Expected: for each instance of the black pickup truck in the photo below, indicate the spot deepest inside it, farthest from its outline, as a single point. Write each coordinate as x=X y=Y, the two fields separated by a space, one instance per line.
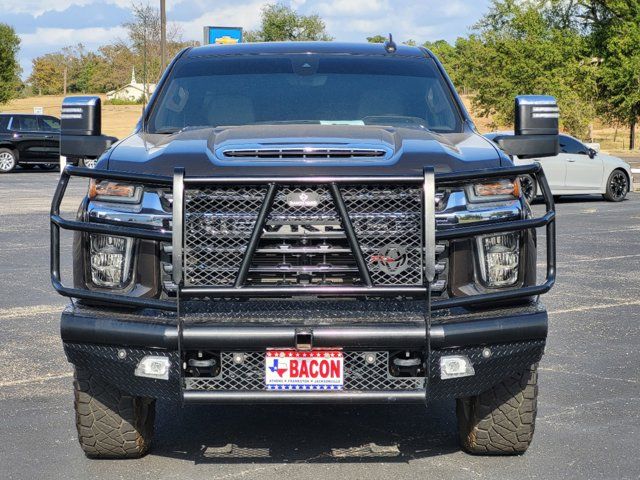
x=308 y=223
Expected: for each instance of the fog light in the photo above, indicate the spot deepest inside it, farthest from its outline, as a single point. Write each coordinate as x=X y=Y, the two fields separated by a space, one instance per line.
x=110 y=259
x=499 y=259
x=455 y=366
x=153 y=367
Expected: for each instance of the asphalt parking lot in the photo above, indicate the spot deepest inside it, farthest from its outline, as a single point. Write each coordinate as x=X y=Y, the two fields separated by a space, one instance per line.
x=588 y=418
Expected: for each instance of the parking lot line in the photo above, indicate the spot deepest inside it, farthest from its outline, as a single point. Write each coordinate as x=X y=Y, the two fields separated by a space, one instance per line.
x=25 y=312
x=594 y=307
x=44 y=378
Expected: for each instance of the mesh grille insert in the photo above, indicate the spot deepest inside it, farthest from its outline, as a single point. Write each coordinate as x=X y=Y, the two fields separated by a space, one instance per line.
x=303 y=241
x=218 y=223
x=358 y=374
x=387 y=222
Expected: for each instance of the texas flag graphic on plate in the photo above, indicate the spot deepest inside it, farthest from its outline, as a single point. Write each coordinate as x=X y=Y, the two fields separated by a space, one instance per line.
x=313 y=370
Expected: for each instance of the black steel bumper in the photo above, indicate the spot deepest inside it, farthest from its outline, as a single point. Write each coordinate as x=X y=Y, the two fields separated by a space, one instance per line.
x=112 y=345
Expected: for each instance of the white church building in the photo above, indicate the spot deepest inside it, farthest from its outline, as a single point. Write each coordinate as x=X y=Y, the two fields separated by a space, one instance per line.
x=133 y=91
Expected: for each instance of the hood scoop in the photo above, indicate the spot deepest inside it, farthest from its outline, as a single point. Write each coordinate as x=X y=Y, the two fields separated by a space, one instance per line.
x=298 y=153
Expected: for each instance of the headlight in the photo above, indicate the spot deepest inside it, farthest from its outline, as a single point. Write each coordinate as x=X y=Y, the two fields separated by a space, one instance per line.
x=499 y=257
x=110 y=260
x=111 y=191
x=503 y=189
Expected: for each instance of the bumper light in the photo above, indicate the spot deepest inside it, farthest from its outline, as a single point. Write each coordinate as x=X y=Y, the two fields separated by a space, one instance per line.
x=110 y=260
x=455 y=366
x=499 y=259
x=153 y=367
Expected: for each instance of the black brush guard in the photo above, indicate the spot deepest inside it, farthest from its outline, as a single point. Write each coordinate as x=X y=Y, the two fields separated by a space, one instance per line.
x=335 y=336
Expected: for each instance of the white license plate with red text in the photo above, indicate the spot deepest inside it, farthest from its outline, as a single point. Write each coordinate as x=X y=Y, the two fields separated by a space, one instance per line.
x=295 y=370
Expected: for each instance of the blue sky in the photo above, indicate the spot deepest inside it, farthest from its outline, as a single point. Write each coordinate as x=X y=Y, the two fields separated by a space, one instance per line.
x=49 y=25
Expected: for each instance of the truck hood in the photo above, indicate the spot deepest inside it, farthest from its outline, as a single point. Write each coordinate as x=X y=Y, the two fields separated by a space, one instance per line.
x=231 y=151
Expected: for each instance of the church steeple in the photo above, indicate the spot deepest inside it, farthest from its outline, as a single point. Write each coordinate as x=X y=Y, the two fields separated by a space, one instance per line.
x=133 y=75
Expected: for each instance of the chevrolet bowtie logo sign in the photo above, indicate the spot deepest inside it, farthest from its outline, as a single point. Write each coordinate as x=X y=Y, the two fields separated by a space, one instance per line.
x=303 y=199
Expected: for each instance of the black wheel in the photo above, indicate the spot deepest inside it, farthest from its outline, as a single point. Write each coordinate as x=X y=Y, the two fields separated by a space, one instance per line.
x=501 y=420
x=48 y=166
x=529 y=187
x=88 y=162
x=111 y=423
x=617 y=186
x=8 y=160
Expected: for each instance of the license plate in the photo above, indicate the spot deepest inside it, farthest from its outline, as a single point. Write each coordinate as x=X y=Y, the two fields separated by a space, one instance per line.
x=294 y=370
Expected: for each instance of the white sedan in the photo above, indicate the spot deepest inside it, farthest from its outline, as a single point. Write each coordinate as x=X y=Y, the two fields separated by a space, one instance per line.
x=578 y=170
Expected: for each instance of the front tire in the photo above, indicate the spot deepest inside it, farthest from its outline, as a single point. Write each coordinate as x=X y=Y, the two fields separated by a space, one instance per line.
x=617 y=186
x=111 y=423
x=8 y=160
x=500 y=421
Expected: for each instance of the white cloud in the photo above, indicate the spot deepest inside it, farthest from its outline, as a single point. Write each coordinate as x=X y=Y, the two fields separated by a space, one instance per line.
x=38 y=7
x=58 y=37
x=351 y=8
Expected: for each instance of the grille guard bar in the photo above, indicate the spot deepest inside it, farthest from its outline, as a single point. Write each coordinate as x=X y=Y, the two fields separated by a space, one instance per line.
x=428 y=181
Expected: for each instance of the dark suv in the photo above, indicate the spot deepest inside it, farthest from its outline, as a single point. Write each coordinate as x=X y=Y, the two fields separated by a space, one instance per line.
x=308 y=223
x=29 y=140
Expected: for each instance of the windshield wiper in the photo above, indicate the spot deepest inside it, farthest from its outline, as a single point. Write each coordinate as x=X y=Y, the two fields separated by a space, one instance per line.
x=167 y=130
x=173 y=130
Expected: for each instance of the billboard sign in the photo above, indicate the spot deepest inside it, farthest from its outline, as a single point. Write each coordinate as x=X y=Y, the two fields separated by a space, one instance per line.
x=222 y=35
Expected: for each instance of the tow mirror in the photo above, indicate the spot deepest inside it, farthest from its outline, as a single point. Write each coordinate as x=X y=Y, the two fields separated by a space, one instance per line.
x=81 y=129
x=536 y=128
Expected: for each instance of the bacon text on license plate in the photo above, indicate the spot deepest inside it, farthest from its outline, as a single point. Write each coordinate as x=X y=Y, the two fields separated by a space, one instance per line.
x=294 y=370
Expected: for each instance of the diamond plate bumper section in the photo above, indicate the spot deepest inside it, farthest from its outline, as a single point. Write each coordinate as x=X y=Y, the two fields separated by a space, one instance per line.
x=371 y=383
x=497 y=347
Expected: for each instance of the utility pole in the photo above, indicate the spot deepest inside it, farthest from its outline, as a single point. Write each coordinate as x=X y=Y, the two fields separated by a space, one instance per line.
x=163 y=35
x=64 y=81
x=144 y=64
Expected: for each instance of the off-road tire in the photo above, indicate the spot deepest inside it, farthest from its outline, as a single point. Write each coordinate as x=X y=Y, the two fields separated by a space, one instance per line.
x=500 y=421
x=111 y=423
x=617 y=186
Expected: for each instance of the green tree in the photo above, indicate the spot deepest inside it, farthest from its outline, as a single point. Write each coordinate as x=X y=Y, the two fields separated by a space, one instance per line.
x=615 y=38
x=47 y=74
x=519 y=49
x=377 y=39
x=281 y=23
x=450 y=59
x=9 y=67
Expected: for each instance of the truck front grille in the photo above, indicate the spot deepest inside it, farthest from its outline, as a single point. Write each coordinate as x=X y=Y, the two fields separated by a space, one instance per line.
x=303 y=240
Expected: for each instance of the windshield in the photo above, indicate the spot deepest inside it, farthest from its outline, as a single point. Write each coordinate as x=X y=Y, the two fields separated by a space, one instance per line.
x=305 y=88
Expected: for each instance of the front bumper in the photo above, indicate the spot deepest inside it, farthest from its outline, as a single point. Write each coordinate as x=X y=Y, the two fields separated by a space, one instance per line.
x=498 y=343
